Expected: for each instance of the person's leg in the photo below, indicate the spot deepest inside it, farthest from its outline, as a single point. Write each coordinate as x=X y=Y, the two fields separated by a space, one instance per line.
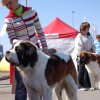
x=81 y=76
x=87 y=83
x=20 y=92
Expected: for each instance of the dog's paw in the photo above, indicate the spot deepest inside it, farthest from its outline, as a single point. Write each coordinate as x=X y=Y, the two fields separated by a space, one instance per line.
x=92 y=89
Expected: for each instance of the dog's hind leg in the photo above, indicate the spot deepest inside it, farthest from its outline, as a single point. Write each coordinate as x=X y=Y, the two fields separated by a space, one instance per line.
x=58 y=91
x=71 y=89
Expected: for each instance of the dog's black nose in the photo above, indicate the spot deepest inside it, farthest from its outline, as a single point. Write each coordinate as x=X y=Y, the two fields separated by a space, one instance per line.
x=7 y=52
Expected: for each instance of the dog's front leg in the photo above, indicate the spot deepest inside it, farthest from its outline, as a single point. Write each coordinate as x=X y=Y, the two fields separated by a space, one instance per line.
x=33 y=94
x=92 y=78
x=47 y=94
x=98 y=78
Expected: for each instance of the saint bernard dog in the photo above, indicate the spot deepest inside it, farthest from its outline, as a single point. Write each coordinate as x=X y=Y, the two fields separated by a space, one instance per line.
x=92 y=64
x=43 y=74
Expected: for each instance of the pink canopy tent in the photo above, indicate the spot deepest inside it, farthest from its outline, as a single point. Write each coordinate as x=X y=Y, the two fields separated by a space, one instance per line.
x=60 y=35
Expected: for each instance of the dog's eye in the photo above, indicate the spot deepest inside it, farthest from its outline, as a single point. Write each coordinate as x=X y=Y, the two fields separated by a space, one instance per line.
x=18 y=49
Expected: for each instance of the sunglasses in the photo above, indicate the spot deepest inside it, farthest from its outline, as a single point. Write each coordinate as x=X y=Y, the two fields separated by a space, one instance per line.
x=9 y=3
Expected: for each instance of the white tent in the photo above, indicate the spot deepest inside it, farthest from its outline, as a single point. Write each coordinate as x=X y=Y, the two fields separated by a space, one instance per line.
x=60 y=36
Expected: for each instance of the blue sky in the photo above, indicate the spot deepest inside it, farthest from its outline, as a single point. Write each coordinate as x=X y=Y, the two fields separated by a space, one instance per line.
x=48 y=10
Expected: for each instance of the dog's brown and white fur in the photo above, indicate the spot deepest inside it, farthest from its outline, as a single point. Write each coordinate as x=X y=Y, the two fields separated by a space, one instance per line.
x=42 y=73
x=92 y=64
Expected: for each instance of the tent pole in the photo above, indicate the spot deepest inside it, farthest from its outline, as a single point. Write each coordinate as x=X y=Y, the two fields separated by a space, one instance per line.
x=26 y=3
x=73 y=18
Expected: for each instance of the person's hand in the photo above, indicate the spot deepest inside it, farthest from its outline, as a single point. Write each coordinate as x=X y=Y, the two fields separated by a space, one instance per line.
x=14 y=41
x=45 y=51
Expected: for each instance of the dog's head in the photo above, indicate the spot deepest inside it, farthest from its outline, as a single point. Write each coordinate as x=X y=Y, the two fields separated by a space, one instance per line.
x=83 y=58
x=23 y=53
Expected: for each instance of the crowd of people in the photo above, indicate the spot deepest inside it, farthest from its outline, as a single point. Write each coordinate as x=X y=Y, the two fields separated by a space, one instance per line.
x=22 y=22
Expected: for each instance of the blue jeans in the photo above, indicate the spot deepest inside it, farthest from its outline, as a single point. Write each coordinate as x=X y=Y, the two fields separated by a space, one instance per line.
x=20 y=92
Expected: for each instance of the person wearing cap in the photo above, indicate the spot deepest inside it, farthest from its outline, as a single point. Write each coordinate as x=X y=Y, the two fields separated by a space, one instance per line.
x=22 y=22
x=97 y=44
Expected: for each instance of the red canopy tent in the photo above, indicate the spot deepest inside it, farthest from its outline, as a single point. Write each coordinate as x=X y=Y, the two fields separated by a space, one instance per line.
x=60 y=35
x=60 y=27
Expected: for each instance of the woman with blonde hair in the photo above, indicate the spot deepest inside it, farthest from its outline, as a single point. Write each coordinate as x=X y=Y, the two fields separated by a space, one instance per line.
x=22 y=22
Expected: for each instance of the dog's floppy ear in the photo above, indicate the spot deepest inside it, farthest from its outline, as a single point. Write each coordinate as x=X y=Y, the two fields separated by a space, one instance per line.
x=33 y=55
x=88 y=54
x=29 y=54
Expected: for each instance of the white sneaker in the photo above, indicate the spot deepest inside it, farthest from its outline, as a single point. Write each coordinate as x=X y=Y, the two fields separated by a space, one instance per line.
x=83 y=89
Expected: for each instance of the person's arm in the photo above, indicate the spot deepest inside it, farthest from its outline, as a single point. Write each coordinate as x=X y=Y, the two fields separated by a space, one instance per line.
x=93 y=49
x=40 y=32
x=10 y=30
x=97 y=47
x=79 y=45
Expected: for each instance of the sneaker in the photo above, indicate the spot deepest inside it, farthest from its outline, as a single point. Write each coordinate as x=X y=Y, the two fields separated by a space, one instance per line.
x=87 y=89
x=83 y=89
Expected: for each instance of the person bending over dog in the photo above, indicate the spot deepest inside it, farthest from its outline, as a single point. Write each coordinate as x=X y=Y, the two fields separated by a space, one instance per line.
x=22 y=22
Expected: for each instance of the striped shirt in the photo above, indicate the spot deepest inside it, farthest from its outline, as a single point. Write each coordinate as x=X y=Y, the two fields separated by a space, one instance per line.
x=25 y=27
